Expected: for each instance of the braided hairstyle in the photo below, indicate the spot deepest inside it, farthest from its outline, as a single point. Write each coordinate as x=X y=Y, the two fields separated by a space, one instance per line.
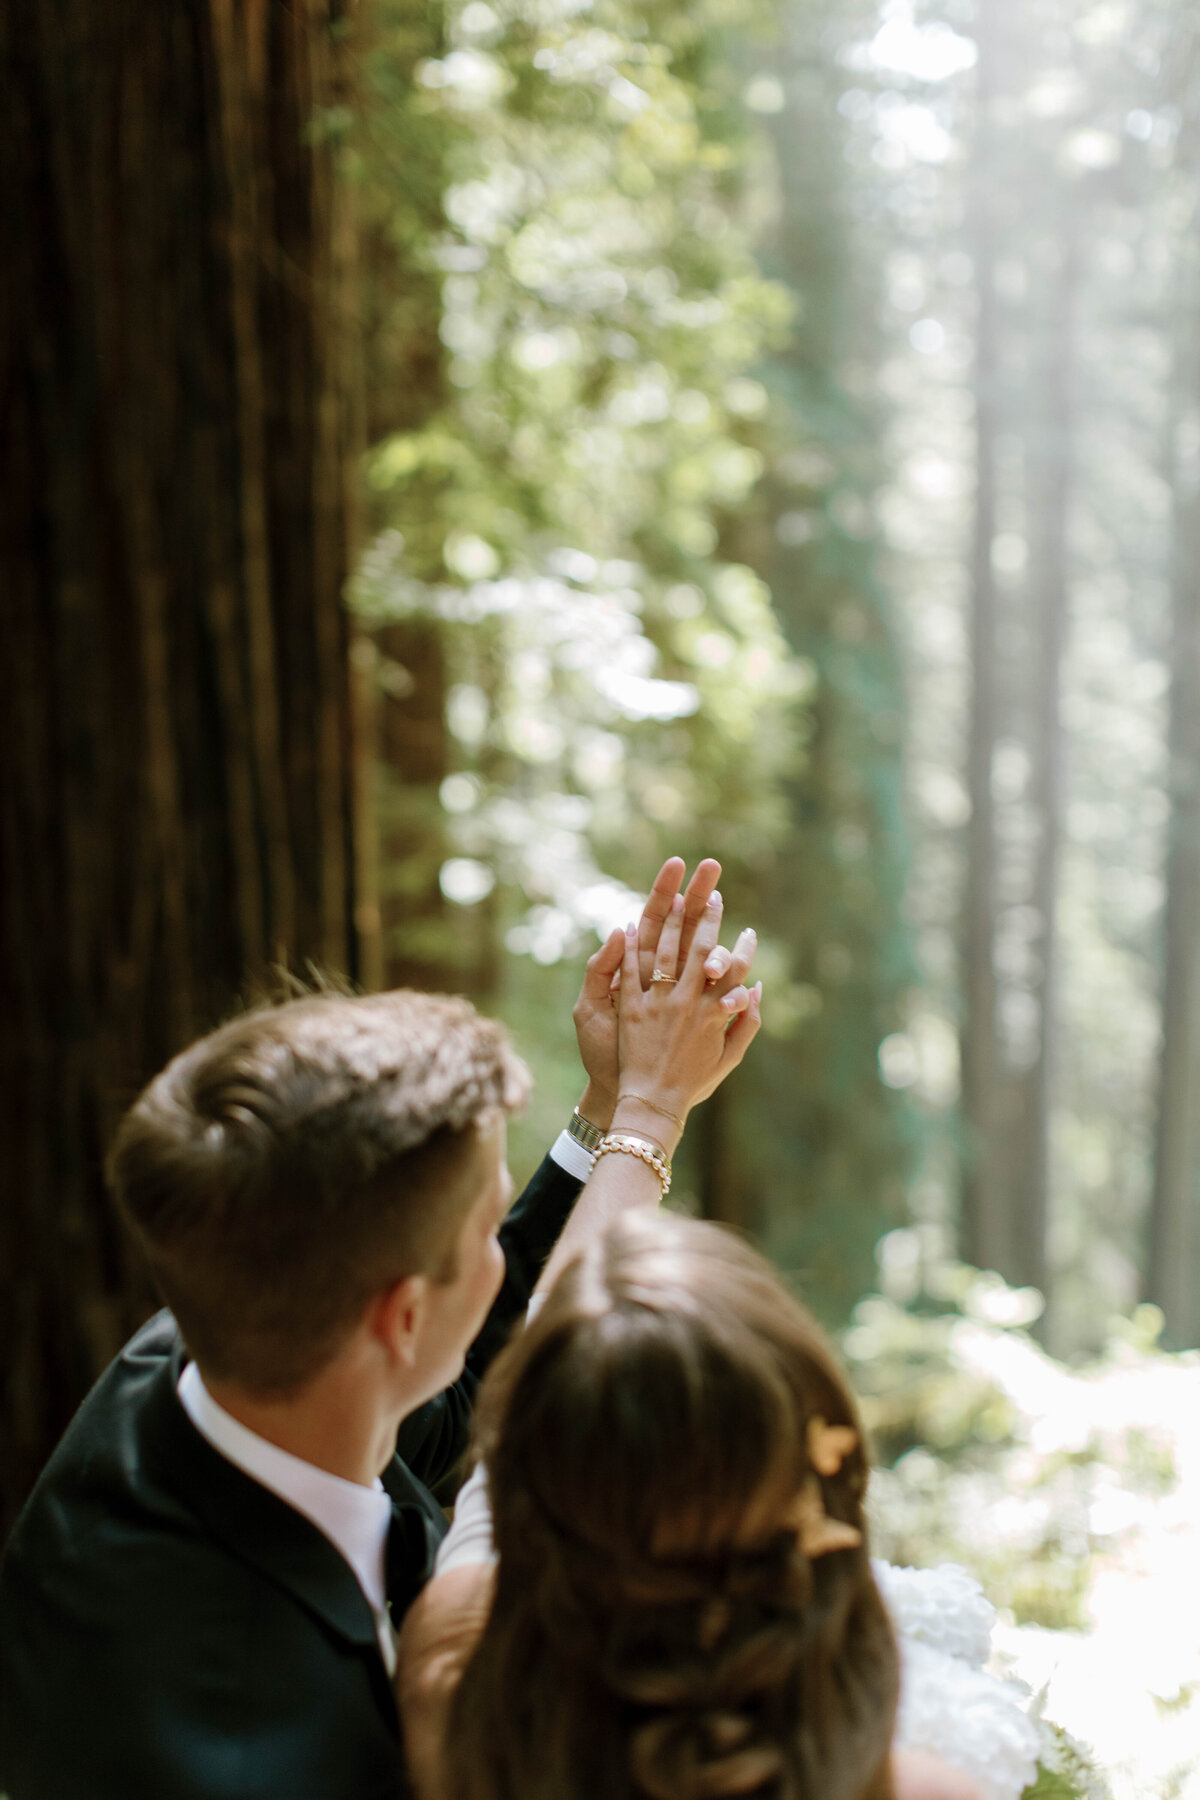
x=657 y=1631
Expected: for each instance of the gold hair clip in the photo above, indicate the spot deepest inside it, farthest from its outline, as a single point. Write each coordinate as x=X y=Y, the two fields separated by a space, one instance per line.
x=816 y=1532
x=829 y=1445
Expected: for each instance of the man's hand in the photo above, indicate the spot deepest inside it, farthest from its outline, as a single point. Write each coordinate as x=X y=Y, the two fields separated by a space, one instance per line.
x=595 y=1011
x=595 y=1018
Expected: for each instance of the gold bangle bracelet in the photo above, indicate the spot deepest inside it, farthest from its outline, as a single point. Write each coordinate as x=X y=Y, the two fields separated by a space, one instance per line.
x=653 y=1106
x=627 y=1145
x=643 y=1137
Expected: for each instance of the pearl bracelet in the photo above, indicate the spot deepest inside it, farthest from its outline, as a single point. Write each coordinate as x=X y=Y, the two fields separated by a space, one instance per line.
x=644 y=1149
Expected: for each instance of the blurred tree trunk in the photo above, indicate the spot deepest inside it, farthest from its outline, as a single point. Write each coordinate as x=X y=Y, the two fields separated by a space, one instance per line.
x=404 y=173
x=414 y=756
x=1173 y=1274
x=1050 y=497
x=984 y=1222
x=722 y=1188
x=174 y=524
x=815 y=1124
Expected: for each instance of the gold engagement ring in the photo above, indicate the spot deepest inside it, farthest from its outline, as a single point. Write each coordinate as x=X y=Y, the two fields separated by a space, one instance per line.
x=659 y=976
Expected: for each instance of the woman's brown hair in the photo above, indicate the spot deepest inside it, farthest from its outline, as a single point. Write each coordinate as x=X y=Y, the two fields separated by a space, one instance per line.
x=658 y=1632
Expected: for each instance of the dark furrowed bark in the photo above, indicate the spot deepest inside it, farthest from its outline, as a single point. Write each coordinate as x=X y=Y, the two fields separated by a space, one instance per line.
x=174 y=534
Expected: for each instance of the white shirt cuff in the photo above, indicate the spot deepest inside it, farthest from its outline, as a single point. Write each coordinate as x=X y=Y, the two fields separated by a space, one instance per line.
x=571 y=1156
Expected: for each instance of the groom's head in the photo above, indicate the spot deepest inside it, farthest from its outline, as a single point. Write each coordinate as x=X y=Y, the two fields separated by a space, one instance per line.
x=285 y=1169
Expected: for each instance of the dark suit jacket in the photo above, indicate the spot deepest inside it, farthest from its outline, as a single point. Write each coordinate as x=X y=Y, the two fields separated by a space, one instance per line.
x=171 y=1630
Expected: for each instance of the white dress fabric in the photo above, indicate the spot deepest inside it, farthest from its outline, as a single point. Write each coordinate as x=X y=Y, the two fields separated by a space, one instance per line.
x=949 y=1705
x=469 y=1539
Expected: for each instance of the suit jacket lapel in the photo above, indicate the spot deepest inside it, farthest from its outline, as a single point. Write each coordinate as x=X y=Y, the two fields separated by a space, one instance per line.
x=252 y=1523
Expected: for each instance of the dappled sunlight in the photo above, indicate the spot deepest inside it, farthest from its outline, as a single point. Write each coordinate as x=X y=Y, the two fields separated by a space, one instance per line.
x=1129 y=1682
x=791 y=456
x=498 y=444
x=1073 y=1493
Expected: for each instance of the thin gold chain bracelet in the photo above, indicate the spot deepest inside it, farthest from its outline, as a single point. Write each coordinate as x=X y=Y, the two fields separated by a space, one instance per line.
x=653 y=1106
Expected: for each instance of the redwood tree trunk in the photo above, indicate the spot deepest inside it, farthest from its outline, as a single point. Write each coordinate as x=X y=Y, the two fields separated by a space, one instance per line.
x=1173 y=1273
x=984 y=1227
x=1050 y=485
x=174 y=525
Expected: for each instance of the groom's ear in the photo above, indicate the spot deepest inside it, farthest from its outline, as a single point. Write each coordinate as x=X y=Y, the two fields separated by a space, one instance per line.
x=396 y=1316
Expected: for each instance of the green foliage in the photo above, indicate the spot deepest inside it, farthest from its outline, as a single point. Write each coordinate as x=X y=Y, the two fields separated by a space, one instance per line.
x=1068 y=1490
x=1050 y=1786
x=1065 y=1772
x=584 y=504
x=629 y=450
x=553 y=512
x=988 y=1452
x=596 y=300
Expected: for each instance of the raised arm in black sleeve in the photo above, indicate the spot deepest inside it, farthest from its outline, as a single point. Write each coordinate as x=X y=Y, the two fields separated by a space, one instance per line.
x=433 y=1440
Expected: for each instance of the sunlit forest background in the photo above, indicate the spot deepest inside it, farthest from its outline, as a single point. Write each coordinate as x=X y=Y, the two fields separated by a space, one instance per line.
x=780 y=445
x=471 y=449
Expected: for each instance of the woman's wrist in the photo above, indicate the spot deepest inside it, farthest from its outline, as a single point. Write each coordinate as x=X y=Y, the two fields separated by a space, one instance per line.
x=633 y=1112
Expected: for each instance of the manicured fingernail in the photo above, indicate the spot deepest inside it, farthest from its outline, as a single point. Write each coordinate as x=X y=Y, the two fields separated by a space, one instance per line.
x=729 y=1002
x=631 y=934
x=714 y=899
x=750 y=933
x=713 y=966
x=677 y=904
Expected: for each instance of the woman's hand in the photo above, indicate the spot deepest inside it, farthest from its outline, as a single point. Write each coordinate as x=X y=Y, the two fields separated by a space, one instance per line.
x=595 y=1012
x=679 y=1038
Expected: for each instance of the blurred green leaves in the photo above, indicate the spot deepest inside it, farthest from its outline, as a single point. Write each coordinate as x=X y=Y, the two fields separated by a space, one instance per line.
x=586 y=399
x=557 y=510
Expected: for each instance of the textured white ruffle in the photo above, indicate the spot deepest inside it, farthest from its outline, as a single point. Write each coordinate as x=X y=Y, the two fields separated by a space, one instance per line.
x=943 y=1607
x=948 y=1704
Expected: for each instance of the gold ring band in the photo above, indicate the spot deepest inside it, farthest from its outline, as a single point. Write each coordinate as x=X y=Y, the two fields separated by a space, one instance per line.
x=659 y=976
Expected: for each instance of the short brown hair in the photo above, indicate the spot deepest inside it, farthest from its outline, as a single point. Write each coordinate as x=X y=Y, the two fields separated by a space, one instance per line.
x=658 y=1632
x=291 y=1164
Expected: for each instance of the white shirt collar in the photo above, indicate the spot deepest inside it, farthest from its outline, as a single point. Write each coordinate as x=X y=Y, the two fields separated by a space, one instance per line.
x=355 y=1519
